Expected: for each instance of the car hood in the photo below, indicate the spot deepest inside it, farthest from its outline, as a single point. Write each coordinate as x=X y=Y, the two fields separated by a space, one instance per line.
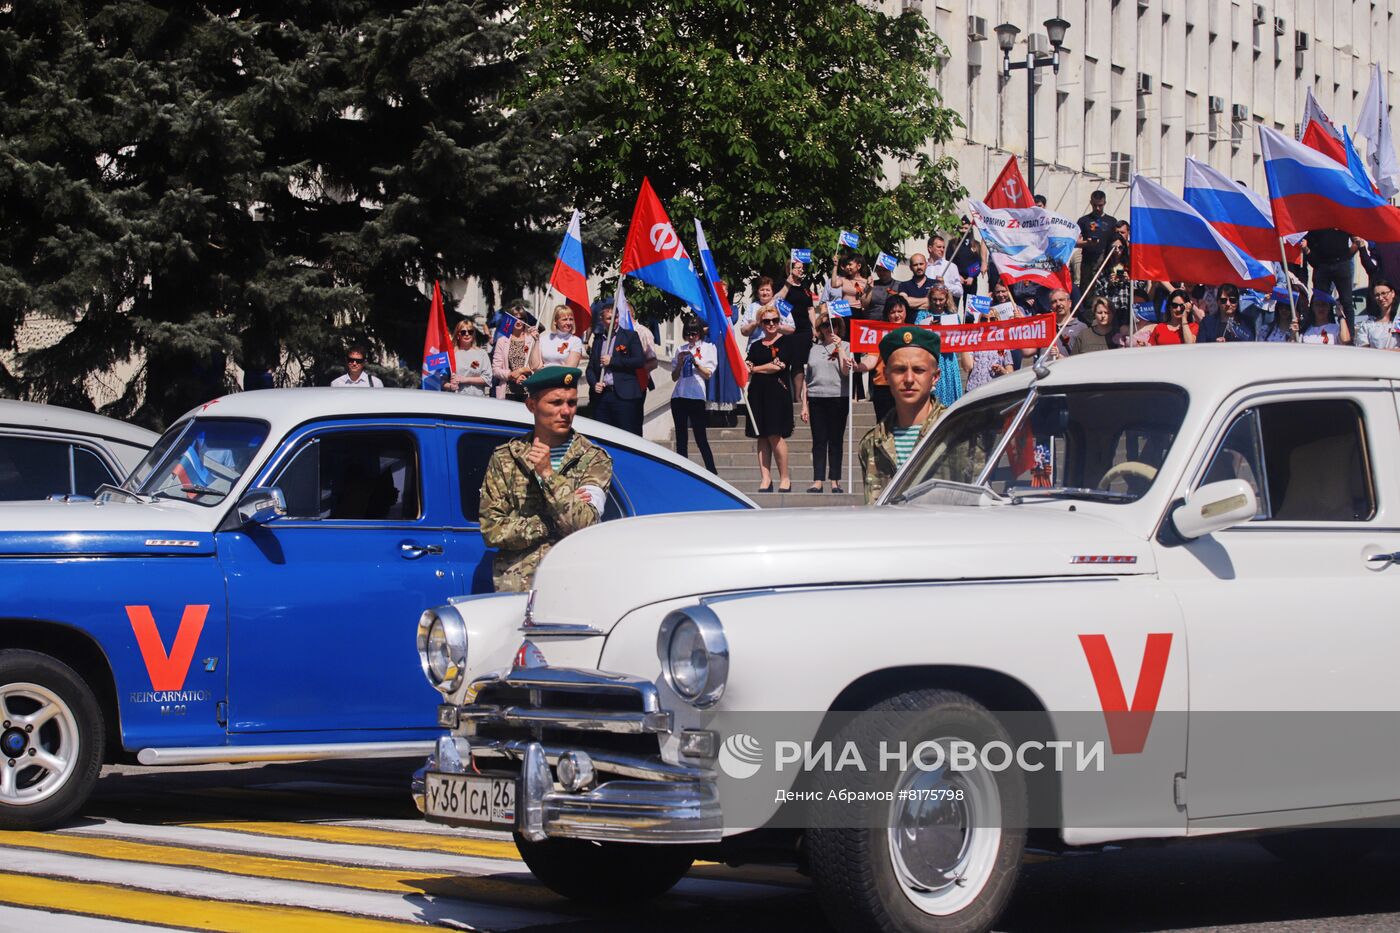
x=106 y=528
x=599 y=575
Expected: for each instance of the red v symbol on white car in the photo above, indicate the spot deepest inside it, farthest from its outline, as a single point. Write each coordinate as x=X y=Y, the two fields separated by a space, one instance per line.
x=1128 y=726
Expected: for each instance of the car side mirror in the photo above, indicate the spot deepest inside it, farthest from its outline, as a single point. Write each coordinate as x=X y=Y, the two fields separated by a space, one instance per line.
x=261 y=504
x=1215 y=507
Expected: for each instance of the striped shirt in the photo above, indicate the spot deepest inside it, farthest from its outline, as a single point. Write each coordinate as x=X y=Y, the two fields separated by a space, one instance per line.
x=905 y=440
x=556 y=453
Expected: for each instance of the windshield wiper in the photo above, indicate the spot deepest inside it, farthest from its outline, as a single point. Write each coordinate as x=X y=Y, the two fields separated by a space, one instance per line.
x=186 y=491
x=108 y=493
x=918 y=490
x=1069 y=492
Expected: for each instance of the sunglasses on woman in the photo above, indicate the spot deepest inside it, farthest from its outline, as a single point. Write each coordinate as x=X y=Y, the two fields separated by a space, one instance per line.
x=770 y=320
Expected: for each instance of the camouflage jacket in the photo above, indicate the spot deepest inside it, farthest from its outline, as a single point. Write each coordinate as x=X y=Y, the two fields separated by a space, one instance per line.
x=877 y=454
x=523 y=516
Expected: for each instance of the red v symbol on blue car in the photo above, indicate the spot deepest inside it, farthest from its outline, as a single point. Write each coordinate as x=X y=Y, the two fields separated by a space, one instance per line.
x=167 y=671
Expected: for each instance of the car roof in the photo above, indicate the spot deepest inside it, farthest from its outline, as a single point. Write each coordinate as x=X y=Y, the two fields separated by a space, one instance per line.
x=285 y=409
x=37 y=417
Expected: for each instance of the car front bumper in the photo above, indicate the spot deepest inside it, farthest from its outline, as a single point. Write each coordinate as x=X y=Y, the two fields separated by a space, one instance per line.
x=639 y=811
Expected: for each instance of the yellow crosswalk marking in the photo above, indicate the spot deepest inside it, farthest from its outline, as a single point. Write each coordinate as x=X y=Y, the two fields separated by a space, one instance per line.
x=231 y=863
x=363 y=836
x=118 y=903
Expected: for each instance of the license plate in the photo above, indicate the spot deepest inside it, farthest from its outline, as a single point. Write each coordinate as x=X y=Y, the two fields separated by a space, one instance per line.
x=475 y=801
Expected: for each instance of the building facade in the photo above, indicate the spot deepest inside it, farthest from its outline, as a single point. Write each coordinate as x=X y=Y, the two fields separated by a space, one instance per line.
x=1143 y=84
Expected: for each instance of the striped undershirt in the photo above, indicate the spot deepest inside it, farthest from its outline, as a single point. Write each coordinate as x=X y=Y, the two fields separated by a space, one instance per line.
x=905 y=440
x=557 y=452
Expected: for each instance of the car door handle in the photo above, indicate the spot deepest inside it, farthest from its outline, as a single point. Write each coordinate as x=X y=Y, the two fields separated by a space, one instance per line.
x=410 y=551
x=1388 y=558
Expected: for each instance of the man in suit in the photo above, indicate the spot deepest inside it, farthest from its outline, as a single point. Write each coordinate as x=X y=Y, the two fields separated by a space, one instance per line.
x=613 y=365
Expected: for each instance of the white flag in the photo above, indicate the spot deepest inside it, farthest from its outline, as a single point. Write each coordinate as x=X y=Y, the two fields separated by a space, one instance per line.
x=1373 y=125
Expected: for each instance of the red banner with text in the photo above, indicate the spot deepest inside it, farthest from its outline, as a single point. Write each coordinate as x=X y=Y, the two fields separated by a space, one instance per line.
x=1021 y=333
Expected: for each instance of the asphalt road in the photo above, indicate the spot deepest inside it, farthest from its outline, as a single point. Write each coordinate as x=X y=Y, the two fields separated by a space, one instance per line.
x=336 y=846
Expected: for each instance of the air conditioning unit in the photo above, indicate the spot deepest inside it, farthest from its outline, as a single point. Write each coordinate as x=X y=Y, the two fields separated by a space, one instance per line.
x=1217 y=104
x=1038 y=43
x=1280 y=27
x=1300 y=41
x=1300 y=60
x=1239 y=113
x=1120 y=167
x=974 y=56
x=913 y=6
x=976 y=28
x=1260 y=17
x=1144 y=83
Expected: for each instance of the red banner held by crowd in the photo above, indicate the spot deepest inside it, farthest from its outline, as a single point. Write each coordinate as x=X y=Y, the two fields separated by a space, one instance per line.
x=1019 y=333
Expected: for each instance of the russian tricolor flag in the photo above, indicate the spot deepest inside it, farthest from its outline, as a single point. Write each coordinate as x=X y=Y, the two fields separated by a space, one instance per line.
x=1310 y=191
x=1238 y=214
x=570 y=276
x=1172 y=242
x=731 y=374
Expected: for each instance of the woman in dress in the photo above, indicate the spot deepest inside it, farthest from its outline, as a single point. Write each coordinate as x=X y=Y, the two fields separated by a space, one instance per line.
x=559 y=347
x=1380 y=333
x=770 y=401
x=472 y=373
x=511 y=362
x=988 y=364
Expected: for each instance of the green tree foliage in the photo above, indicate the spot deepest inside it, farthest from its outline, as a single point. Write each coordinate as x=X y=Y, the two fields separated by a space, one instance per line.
x=265 y=181
x=772 y=121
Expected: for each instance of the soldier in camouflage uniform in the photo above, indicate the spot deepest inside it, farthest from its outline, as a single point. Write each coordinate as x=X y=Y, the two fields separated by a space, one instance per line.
x=910 y=355
x=544 y=485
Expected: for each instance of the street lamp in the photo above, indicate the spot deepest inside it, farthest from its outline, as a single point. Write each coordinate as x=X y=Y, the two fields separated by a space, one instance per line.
x=1006 y=41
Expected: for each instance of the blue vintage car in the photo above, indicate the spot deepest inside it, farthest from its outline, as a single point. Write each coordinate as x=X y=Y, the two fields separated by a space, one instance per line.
x=181 y=619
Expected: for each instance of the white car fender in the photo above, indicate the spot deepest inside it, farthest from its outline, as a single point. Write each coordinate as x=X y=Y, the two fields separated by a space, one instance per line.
x=1070 y=642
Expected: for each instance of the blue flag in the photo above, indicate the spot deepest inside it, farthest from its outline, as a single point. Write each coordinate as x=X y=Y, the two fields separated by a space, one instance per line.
x=436 y=369
x=1145 y=311
x=784 y=307
x=850 y=239
x=839 y=308
x=886 y=260
x=802 y=255
x=982 y=304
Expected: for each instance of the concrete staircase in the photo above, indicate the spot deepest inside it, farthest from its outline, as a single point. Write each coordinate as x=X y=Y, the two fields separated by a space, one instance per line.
x=736 y=458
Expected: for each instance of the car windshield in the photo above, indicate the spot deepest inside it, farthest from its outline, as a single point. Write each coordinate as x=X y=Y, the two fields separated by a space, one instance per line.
x=1094 y=442
x=199 y=460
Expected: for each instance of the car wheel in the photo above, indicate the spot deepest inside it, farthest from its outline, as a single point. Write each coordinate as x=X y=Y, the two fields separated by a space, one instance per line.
x=604 y=872
x=943 y=851
x=51 y=737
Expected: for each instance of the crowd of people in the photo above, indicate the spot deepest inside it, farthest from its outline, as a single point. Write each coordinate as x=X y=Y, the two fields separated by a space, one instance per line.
x=800 y=363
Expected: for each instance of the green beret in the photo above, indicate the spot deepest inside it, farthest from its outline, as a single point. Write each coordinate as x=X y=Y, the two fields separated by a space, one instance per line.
x=551 y=377
x=902 y=337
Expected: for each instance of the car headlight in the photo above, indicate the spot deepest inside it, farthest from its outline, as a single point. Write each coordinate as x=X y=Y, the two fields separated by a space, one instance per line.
x=694 y=655
x=442 y=648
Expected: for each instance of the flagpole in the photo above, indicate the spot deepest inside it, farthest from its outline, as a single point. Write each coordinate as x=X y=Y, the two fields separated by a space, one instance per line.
x=1113 y=251
x=1287 y=284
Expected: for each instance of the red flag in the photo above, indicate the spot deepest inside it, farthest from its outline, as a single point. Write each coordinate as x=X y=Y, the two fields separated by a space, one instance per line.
x=654 y=252
x=438 y=339
x=1317 y=137
x=1009 y=190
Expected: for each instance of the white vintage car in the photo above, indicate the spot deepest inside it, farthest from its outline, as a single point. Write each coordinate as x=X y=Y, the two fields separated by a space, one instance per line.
x=1176 y=575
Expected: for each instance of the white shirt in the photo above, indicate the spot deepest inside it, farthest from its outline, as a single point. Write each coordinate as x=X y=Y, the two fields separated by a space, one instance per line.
x=689 y=382
x=367 y=380
x=947 y=271
x=556 y=346
x=1322 y=333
